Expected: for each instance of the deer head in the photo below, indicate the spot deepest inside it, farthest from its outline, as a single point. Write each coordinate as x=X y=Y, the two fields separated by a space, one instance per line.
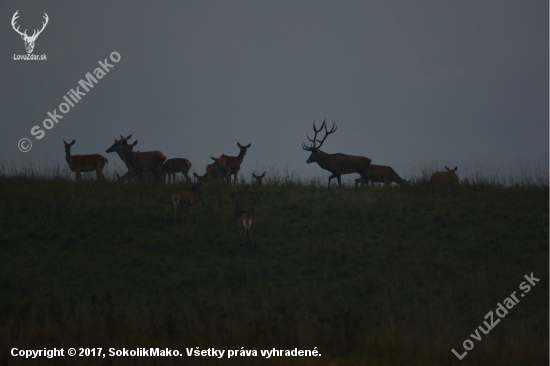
x=313 y=148
x=29 y=40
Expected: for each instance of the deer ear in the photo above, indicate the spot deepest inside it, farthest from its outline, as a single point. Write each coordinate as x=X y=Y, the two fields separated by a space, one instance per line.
x=249 y=145
x=127 y=138
x=135 y=142
x=72 y=143
x=213 y=158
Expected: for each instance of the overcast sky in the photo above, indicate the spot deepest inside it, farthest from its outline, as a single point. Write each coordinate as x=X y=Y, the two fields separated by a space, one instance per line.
x=407 y=82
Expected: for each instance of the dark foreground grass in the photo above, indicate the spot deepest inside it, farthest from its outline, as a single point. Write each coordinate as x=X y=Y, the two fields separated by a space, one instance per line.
x=378 y=276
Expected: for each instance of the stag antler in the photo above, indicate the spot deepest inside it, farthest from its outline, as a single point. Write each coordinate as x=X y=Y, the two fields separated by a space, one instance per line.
x=314 y=139
x=13 y=19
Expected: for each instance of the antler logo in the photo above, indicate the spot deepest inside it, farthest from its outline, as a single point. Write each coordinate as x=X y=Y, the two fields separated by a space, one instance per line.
x=29 y=41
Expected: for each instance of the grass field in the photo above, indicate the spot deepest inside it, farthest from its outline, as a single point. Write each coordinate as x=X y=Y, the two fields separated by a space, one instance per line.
x=377 y=276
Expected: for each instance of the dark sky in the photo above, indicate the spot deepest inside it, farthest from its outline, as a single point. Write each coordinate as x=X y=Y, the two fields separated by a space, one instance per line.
x=407 y=82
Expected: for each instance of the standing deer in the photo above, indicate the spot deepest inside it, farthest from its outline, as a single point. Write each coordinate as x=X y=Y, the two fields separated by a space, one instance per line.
x=187 y=197
x=84 y=163
x=449 y=176
x=173 y=166
x=258 y=178
x=246 y=224
x=230 y=165
x=337 y=164
x=382 y=174
x=138 y=162
x=29 y=41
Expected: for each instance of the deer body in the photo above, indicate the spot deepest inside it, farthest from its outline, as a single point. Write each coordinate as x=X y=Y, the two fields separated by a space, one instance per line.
x=138 y=162
x=187 y=197
x=246 y=224
x=381 y=174
x=173 y=166
x=84 y=163
x=449 y=176
x=337 y=164
x=230 y=165
x=213 y=171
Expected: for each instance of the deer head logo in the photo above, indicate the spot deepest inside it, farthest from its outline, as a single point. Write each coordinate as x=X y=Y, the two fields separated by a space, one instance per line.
x=29 y=41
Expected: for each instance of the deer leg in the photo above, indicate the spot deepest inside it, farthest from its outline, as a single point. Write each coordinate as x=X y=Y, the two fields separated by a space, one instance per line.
x=339 y=180
x=176 y=205
x=78 y=176
x=366 y=179
x=329 y=178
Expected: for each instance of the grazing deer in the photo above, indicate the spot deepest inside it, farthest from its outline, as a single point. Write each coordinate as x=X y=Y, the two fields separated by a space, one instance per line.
x=258 y=178
x=84 y=163
x=188 y=197
x=449 y=176
x=138 y=162
x=382 y=174
x=246 y=224
x=230 y=165
x=337 y=164
x=173 y=166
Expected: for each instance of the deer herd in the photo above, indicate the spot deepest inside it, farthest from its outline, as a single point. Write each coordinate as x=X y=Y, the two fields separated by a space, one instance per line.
x=153 y=165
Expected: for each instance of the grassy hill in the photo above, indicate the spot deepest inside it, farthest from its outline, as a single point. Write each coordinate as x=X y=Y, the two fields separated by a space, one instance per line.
x=377 y=276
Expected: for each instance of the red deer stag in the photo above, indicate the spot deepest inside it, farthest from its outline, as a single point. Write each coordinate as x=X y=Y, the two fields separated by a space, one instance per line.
x=187 y=197
x=84 y=163
x=449 y=176
x=258 y=178
x=246 y=224
x=230 y=165
x=337 y=164
x=138 y=162
x=173 y=166
x=382 y=174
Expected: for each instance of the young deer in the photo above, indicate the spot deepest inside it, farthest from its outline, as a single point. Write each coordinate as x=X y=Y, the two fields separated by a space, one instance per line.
x=84 y=163
x=449 y=176
x=382 y=174
x=173 y=166
x=258 y=178
x=246 y=224
x=188 y=197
